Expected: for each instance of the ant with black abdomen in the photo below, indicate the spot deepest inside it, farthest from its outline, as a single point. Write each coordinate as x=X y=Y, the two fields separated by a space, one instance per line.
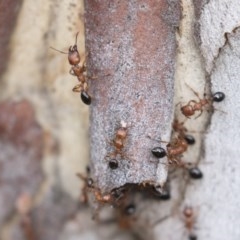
x=193 y=106
x=80 y=71
x=174 y=151
x=118 y=143
x=189 y=221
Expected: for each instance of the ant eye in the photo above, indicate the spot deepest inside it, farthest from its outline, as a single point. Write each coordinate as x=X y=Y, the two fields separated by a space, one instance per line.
x=159 y=152
x=195 y=173
x=86 y=98
x=189 y=139
x=218 y=96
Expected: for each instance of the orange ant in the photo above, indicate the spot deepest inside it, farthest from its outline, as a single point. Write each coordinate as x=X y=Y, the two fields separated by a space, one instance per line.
x=88 y=185
x=175 y=149
x=118 y=143
x=101 y=198
x=126 y=216
x=179 y=128
x=79 y=71
x=192 y=106
x=174 y=152
x=190 y=220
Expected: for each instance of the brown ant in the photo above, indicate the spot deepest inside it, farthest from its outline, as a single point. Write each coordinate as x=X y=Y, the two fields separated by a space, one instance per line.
x=192 y=106
x=118 y=143
x=79 y=71
x=88 y=185
x=175 y=149
x=189 y=220
x=101 y=198
x=174 y=152
x=126 y=216
x=179 y=128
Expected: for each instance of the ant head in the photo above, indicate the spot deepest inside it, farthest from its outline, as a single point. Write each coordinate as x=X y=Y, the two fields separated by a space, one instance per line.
x=188 y=211
x=73 y=55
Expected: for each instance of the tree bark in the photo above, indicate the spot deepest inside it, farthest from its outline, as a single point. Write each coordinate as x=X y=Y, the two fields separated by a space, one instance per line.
x=144 y=60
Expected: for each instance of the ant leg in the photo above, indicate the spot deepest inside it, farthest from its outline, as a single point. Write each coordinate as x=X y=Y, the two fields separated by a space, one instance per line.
x=191 y=101
x=157 y=140
x=81 y=176
x=72 y=72
x=201 y=111
x=195 y=93
x=78 y=88
x=145 y=183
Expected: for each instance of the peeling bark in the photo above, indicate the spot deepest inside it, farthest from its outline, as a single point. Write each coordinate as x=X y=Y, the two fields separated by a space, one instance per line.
x=216 y=19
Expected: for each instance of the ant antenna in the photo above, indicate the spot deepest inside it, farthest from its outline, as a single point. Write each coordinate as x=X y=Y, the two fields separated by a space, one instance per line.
x=76 y=38
x=58 y=50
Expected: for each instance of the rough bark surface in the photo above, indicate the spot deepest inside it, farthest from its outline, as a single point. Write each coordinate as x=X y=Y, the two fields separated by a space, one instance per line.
x=133 y=57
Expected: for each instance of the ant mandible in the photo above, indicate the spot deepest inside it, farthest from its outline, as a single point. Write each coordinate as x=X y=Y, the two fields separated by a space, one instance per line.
x=79 y=71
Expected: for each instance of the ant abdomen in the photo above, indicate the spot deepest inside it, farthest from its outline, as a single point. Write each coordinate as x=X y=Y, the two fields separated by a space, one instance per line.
x=218 y=96
x=86 y=98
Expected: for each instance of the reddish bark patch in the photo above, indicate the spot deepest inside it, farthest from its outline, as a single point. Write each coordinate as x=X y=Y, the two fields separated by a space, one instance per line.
x=9 y=10
x=21 y=147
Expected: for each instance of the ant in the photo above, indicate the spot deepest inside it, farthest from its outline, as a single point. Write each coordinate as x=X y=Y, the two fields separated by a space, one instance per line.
x=127 y=216
x=181 y=130
x=80 y=71
x=118 y=143
x=114 y=198
x=88 y=184
x=190 y=220
x=192 y=106
x=175 y=149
